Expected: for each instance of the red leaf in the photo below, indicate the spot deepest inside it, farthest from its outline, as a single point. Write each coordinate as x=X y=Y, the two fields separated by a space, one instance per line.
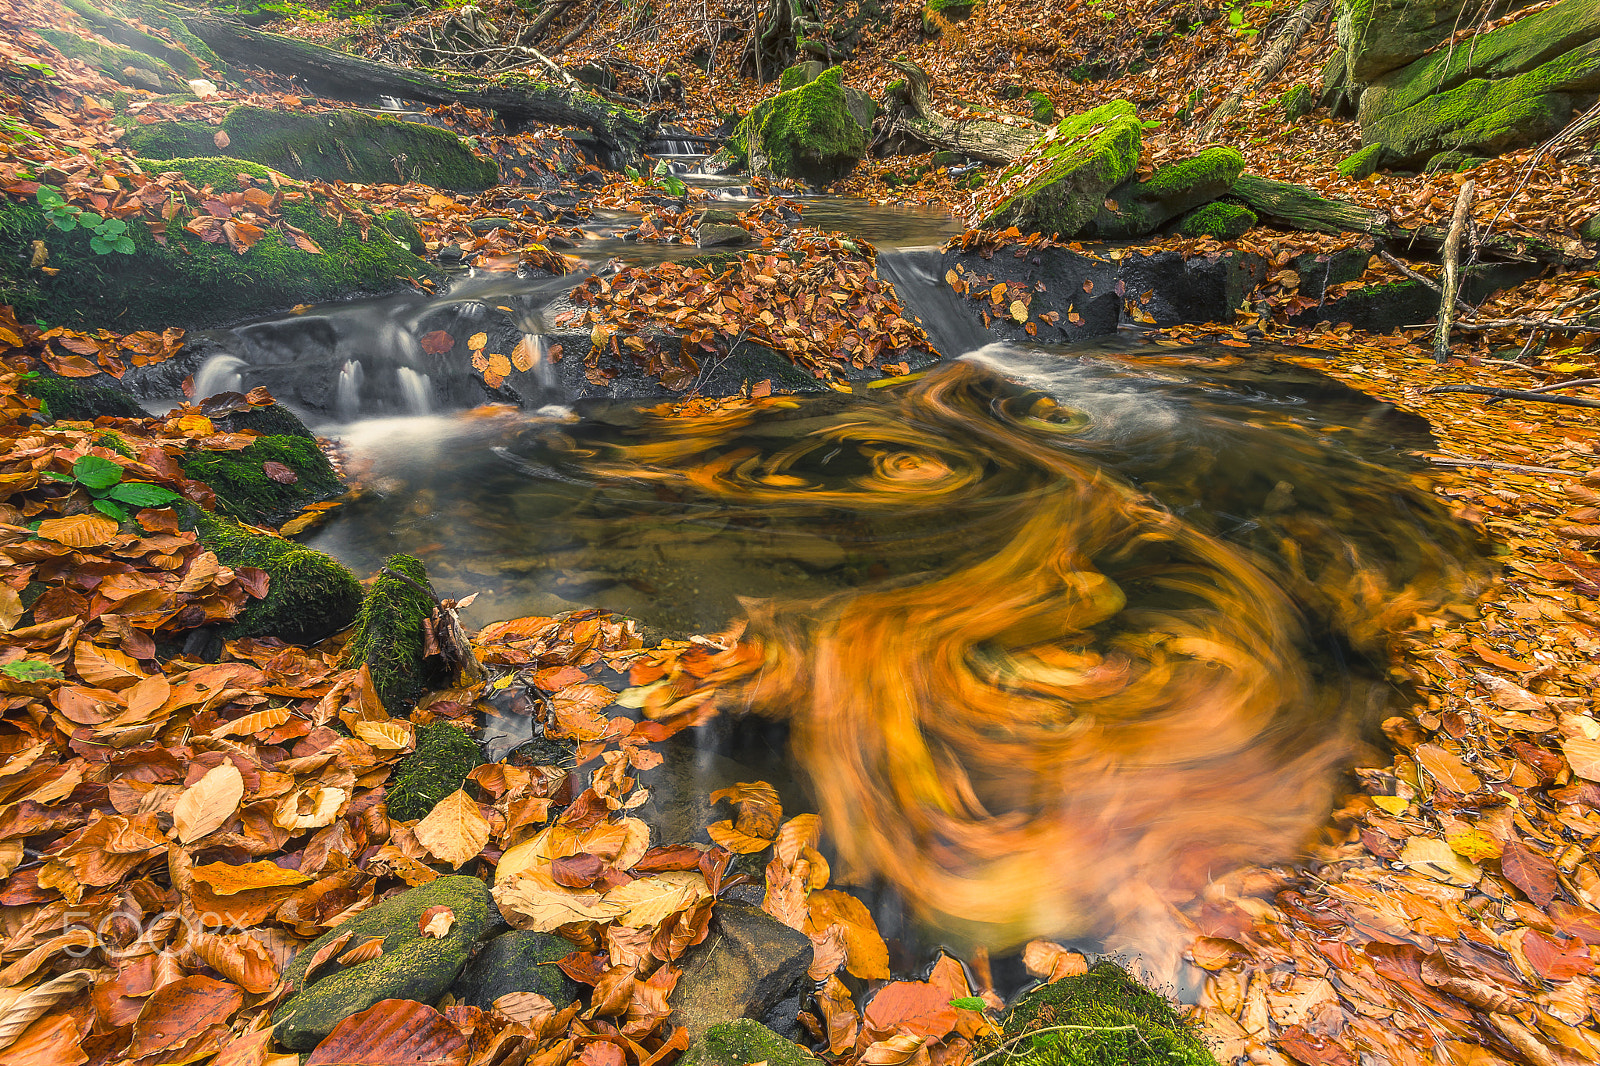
x=437 y=343
x=1530 y=871
x=1553 y=960
x=393 y=1032
x=279 y=473
x=913 y=1006
x=577 y=871
x=1313 y=1050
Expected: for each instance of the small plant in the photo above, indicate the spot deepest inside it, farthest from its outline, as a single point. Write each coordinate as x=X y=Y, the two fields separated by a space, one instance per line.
x=107 y=234
x=30 y=670
x=102 y=480
x=668 y=180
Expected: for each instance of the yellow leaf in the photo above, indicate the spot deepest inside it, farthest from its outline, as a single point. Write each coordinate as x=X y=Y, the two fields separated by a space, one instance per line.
x=1392 y=804
x=1447 y=769
x=385 y=736
x=226 y=879
x=207 y=805
x=477 y=341
x=251 y=724
x=79 y=531
x=1432 y=856
x=1583 y=755
x=455 y=831
x=531 y=900
x=866 y=955
x=196 y=426
x=1474 y=845
x=648 y=900
x=1019 y=311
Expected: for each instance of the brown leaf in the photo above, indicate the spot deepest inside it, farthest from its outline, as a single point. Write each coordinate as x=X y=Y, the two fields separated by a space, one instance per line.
x=392 y=1032
x=209 y=803
x=436 y=921
x=181 y=1010
x=279 y=473
x=1530 y=871
x=455 y=831
x=79 y=531
x=866 y=955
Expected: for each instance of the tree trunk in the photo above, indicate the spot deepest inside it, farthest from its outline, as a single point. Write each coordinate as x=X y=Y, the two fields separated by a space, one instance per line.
x=1301 y=208
x=620 y=133
x=909 y=114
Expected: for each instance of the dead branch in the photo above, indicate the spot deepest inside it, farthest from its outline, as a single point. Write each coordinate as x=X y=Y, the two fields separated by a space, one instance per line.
x=1462 y=305
x=909 y=114
x=1515 y=394
x=1452 y=273
x=1272 y=60
x=1515 y=468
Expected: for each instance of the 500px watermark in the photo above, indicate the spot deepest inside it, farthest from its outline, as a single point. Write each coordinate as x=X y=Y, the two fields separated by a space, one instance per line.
x=121 y=934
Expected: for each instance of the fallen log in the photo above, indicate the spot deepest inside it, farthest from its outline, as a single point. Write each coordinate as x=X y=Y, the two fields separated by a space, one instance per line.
x=620 y=133
x=1297 y=207
x=909 y=114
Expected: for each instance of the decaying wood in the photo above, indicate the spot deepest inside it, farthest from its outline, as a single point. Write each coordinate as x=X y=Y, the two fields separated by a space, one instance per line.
x=1297 y=207
x=1452 y=274
x=454 y=647
x=621 y=133
x=909 y=114
x=1266 y=67
x=1514 y=394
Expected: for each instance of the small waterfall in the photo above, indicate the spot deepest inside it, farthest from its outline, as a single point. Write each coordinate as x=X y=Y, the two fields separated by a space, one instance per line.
x=416 y=389
x=926 y=297
x=220 y=373
x=347 y=394
x=537 y=348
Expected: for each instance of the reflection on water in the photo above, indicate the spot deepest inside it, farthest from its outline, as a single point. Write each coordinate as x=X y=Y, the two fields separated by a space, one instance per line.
x=1058 y=639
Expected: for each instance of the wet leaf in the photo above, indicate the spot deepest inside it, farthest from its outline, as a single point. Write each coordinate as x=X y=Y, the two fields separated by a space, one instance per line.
x=455 y=831
x=392 y=1032
x=209 y=803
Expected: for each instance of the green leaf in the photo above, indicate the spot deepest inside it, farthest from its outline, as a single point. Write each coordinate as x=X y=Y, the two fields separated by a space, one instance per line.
x=30 y=670
x=111 y=227
x=111 y=510
x=90 y=219
x=93 y=472
x=64 y=223
x=100 y=245
x=968 y=1003
x=124 y=244
x=142 y=494
x=48 y=196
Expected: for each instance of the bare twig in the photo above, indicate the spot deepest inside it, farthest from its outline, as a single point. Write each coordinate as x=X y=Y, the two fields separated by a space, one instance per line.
x=1515 y=394
x=1515 y=468
x=1452 y=273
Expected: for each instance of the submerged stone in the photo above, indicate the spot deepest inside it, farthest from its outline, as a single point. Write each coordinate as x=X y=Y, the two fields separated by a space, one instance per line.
x=414 y=965
x=443 y=758
x=1081 y=160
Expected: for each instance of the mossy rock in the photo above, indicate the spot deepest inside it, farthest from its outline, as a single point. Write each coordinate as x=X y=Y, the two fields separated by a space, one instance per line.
x=439 y=765
x=184 y=53
x=329 y=145
x=389 y=636
x=800 y=74
x=744 y=1041
x=1223 y=220
x=268 y=420
x=1145 y=206
x=1453 y=162
x=519 y=961
x=413 y=965
x=1590 y=230
x=1297 y=103
x=190 y=283
x=119 y=64
x=1085 y=157
x=76 y=402
x=935 y=12
x=807 y=133
x=1117 y=1021
x=1362 y=163
x=244 y=489
x=1044 y=108
x=310 y=595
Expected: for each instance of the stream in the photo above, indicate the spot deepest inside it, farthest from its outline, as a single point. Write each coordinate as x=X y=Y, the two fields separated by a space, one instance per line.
x=1056 y=636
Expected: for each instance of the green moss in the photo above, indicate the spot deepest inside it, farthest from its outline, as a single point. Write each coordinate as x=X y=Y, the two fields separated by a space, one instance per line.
x=76 y=402
x=1590 y=230
x=185 y=53
x=1044 y=108
x=389 y=633
x=1222 y=220
x=109 y=59
x=268 y=420
x=443 y=758
x=1120 y=1023
x=310 y=596
x=744 y=1041
x=1086 y=156
x=793 y=78
x=188 y=282
x=1363 y=163
x=1453 y=162
x=1297 y=103
x=1145 y=206
x=330 y=145
x=244 y=491
x=806 y=133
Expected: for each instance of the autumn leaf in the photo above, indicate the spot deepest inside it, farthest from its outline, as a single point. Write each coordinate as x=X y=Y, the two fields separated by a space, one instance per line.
x=79 y=531
x=436 y=921
x=866 y=955
x=392 y=1032
x=279 y=473
x=455 y=831
x=181 y=1010
x=209 y=803
x=1530 y=871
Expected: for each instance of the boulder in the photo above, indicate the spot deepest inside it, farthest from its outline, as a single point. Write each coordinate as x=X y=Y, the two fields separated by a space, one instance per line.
x=79 y=402
x=517 y=961
x=1515 y=86
x=414 y=965
x=720 y=235
x=809 y=133
x=310 y=595
x=390 y=637
x=1362 y=163
x=801 y=74
x=1107 y=1017
x=744 y=1041
x=331 y=145
x=1145 y=206
x=1298 y=102
x=1222 y=220
x=246 y=491
x=1383 y=35
x=1068 y=177
x=749 y=966
x=443 y=758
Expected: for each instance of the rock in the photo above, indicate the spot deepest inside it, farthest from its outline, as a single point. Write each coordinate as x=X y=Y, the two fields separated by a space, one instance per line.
x=1362 y=163
x=1119 y=1020
x=491 y=223
x=1297 y=103
x=1453 y=161
x=443 y=758
x=389 y=638
x=246 y=492
x=413 y=965
x=517 y=961
x=717 y=216
x=717 y=235
x=801 y=74
x=680 y=787
x=1381 y=308
x=1590 y=230
x=343 y=145
x=1089 y=154
x=1222 y=220
x=745 y=1041
x=188 y=282
x=1515 y=86
x=1384 y=35
x=310 y=595
x=749 y=965
x=1338 y=96
x=862 y=107
x=936 y=14
x=1320 y=270
x=78 y=402
x=1044 y=108
x=808 y=133
x=1145 y=206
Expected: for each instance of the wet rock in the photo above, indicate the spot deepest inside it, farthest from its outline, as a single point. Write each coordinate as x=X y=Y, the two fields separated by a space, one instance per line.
x=390 y=638
x=443 y=758
x=491 y=223
x=1089 y=155
x=749 y=965
x=721 y=236
x=518 y=961
x=811 y=133
x=413 y=965
x=744 y=1041
x=310 y=595
x=679 y=807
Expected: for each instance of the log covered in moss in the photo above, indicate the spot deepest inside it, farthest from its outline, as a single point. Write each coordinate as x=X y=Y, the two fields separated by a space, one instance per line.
x=390 y=637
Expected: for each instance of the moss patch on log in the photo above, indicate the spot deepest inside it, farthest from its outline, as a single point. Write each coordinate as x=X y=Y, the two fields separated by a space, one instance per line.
x=389 y=637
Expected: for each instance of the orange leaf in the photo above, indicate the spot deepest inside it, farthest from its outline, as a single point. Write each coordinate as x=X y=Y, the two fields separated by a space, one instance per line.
x=79 y=531
x=393 y=1032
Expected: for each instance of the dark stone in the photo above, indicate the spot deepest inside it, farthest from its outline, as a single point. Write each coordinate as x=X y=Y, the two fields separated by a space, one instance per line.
x=1319 y=270
x=516 y=962
x=493 y=222
x=711 y=235
x=746 y=968
x=1381 y=308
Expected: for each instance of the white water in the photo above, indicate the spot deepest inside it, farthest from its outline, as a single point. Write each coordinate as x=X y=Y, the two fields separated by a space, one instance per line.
x=220 y=373
x=416 y=389
x=347 y=395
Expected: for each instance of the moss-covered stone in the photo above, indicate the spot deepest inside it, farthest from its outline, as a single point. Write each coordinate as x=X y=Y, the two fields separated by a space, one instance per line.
x=184 y=53
x=1362 y=163
x=389 y=632
x=188 y=282
x=800 y=74
x=77 y=402
x=1223 y=220
x=1145 y=206
x=936 y=13
x=744 y=1041
x=443 y=758
x=1382 y=35
x=244 y=489
x=1044 y=108
x=520 y=961
x=1100 y=1018
x=1453 y=162
x=413 y=966
x=330 y=145
x=1084 y=157
x=1590 y=230
x=310 y=595
x=119 y=64
x=1297 y=103
x=268 y=420
x=807 y=133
